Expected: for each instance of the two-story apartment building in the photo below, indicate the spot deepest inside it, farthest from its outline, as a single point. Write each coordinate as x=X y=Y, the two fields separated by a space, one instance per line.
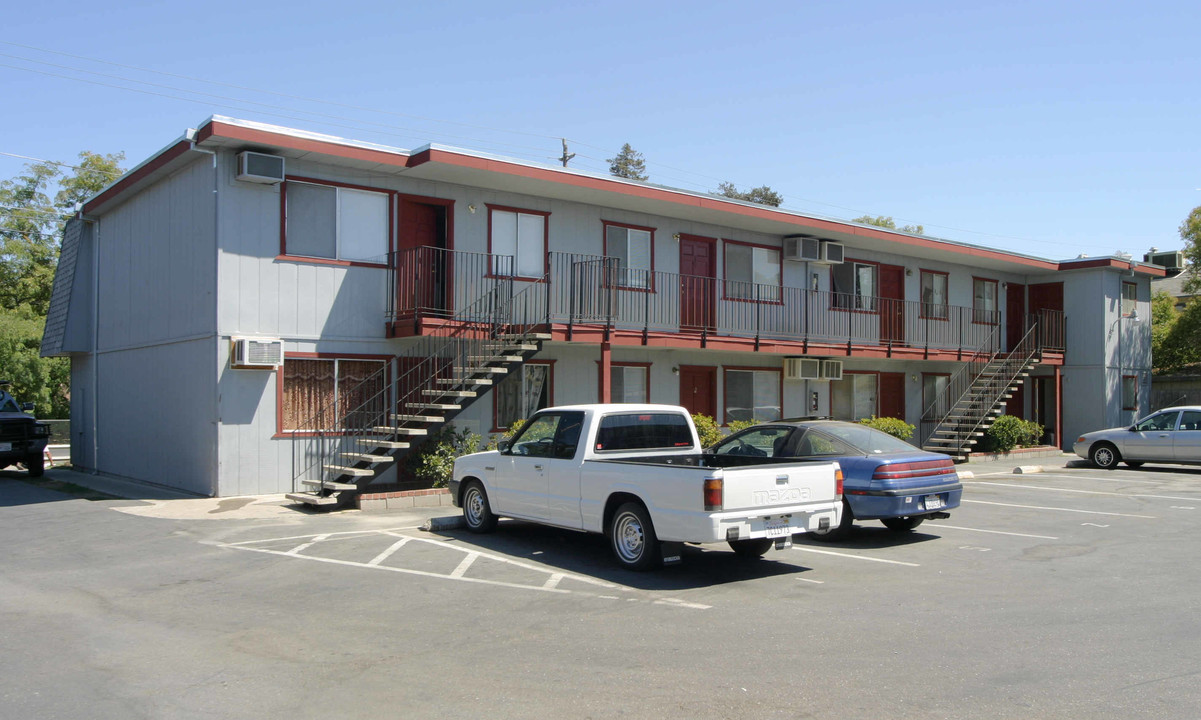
x=256 y=309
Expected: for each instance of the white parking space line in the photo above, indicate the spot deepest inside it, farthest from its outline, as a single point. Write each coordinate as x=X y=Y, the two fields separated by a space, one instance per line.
x=854 y=557
x=391 y=549
x=296 y=550
x=461 y=570
x=1085 y=492
x=1060 y=509
x=1119 y=477
x=993 y=532
x=553 y=580
x=815 y=582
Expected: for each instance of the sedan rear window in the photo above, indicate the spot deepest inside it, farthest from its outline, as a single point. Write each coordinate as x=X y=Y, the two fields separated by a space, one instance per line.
x=866 y=440
x=640 y=431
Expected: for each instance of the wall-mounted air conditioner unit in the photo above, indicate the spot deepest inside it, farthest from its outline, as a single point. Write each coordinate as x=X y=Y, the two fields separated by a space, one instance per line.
x=260 y=168
x=1172 y=261
x=802 y=369
x=257 y=353
x=831 y=369
x=802 y=248
x=832 y=252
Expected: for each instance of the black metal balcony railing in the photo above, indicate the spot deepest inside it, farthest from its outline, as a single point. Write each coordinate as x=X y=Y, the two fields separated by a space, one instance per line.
x=591 y=290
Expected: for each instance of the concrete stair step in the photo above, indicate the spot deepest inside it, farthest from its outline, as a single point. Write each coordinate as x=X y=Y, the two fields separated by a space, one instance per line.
x=495 y=358
x=524 y=336
x=367 y=457
x=450 y=393
x=350 y=471
x=310 y=499
x=432 y=406
x=387 y=444
x=399 y=430
x=512 y=347
x=465 y=381
x=417 y=418
x=489 y=370
x=329 y=485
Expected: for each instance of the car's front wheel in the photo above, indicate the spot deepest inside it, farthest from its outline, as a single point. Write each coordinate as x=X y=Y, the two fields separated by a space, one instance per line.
x=477 y=512
x=1104 y=456
x=902 y=524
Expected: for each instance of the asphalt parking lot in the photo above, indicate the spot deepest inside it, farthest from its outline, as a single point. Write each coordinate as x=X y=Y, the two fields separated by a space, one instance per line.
x=1069 y=593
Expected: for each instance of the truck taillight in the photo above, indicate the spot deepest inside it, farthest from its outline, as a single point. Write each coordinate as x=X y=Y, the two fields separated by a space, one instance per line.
x=713 y=493
x=838 y=482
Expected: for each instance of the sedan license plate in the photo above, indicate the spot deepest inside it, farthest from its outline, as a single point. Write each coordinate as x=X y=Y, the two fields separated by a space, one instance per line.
x=933 y=502
x=6 y=447
x=777 y=527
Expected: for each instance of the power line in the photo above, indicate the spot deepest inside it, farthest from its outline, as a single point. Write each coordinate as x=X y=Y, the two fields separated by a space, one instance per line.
x=112 y=173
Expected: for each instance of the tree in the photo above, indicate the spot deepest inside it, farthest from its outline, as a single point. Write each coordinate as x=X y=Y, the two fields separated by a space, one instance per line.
x=31 y=228
x=1190 y=233
x=888 y=222
x=763 y=194
x=629 y=163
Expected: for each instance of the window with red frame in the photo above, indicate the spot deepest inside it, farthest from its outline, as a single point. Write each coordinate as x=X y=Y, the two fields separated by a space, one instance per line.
x=629 y=383
x=984 y=301
x=855 y=286
x=325 y=393
x=934 y=295
x=1129 y=392
x=631 y=247
x=752 y=272
x=752 y=395
x=1129 y=298
x=336 y=223
x=521 y=236
x=522 y=393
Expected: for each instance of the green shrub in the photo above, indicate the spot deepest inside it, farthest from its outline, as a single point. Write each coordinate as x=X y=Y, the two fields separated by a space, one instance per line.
x=708 y=430
x=893 y=426
x=1010 y=431
x=740 y=425
x=434 y=461
x=514 y=428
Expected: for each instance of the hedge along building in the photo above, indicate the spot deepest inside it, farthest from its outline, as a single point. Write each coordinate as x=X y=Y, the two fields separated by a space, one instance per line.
x=256 y=309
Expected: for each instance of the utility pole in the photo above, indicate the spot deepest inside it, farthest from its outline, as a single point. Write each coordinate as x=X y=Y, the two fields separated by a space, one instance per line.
x=565 y=157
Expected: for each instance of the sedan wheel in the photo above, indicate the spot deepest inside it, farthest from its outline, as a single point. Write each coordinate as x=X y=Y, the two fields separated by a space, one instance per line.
x=1104 y=456
x=839 y=531
x=902 y=524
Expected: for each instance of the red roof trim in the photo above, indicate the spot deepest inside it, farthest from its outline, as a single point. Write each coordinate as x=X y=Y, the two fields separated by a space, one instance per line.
x=137 y=175
x=251 y=135
x=1151 y=270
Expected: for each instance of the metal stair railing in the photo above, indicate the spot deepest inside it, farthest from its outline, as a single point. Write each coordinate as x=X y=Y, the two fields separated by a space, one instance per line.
x=986 y=390
x=385 y=418
x=959 y=385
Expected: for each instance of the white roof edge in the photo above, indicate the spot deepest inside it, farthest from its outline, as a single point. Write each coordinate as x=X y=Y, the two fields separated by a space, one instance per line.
x=305 y=134
x=186 y=137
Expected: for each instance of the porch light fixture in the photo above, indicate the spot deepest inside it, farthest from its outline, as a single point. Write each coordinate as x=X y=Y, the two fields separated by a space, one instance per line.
x=676 y=237
x=471 y=209
x=675 y=371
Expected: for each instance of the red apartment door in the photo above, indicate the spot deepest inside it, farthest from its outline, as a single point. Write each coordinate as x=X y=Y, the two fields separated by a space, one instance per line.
x=422 y=274
x=697 y=270
x=892 y=395
x=698 y=390
x=892 y=304
x=1047 y=296
x=1015 y=314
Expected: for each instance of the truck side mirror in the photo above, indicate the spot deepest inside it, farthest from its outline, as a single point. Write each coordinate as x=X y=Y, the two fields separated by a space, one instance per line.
x=27 y=407
x=503 y=446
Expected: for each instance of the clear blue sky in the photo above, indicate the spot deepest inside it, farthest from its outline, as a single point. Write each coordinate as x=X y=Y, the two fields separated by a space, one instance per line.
x=1047 y=128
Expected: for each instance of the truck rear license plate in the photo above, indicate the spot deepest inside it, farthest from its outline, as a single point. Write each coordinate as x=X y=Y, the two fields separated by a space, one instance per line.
x=933 y=502
x=6 y=447
x=777 y=527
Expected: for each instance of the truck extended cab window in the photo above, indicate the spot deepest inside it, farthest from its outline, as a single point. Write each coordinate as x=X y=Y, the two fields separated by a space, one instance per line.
x=641 y=431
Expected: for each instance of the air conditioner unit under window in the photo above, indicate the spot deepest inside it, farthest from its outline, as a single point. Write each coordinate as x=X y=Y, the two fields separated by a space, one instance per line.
x=260 y=168
x=802 y=369
x=831 y=369
x=832 y=252
x=257 y=353
x=803 y=248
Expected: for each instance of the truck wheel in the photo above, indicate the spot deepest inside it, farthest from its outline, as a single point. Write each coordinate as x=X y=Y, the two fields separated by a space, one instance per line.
x=632 y=537
x=477 y=513
x=36 y=465
x=902 y=524
x=751 y=549
x=1104 y=456
x=841 y=530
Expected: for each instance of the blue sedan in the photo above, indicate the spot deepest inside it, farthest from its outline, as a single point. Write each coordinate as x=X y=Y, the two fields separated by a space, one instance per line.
x=886 y=479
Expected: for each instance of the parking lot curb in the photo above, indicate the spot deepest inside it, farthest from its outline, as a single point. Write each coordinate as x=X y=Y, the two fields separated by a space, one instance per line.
x=966 y=474
x=446 y=522
x=1026 y=469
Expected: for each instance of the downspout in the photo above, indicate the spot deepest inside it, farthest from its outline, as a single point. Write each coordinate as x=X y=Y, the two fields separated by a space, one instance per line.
x=95 y=344
x=214 y=486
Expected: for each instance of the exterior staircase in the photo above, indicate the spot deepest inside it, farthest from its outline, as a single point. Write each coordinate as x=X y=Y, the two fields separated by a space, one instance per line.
x=411 y=398
x=976 y=395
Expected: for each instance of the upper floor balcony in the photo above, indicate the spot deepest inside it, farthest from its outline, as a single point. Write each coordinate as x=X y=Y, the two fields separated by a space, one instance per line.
x=591 y=298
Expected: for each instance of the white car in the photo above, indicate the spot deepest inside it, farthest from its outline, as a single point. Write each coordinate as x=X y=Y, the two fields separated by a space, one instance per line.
x=1171 y=435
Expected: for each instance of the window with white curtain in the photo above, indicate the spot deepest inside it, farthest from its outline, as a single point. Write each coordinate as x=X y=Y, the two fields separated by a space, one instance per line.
x=752 y=272
x=854 y=397
x=629 y=383
x=752 y=395
x=338 y=223
x=934 y=295
x=984 y=301
x=522 y=236
x=522 y=393
x=855 y=286
x=632 y=249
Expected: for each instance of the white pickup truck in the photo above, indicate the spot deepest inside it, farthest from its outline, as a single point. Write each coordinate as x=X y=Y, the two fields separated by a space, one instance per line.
x=637 y=474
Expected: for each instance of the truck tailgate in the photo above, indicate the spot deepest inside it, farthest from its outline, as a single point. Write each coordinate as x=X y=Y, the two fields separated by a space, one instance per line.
x=753 y=487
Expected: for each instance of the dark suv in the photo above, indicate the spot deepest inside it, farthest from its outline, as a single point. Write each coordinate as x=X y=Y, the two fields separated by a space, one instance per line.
x=22 y=439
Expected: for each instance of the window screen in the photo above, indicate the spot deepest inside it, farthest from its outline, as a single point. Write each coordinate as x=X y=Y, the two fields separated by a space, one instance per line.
x=312 y=220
